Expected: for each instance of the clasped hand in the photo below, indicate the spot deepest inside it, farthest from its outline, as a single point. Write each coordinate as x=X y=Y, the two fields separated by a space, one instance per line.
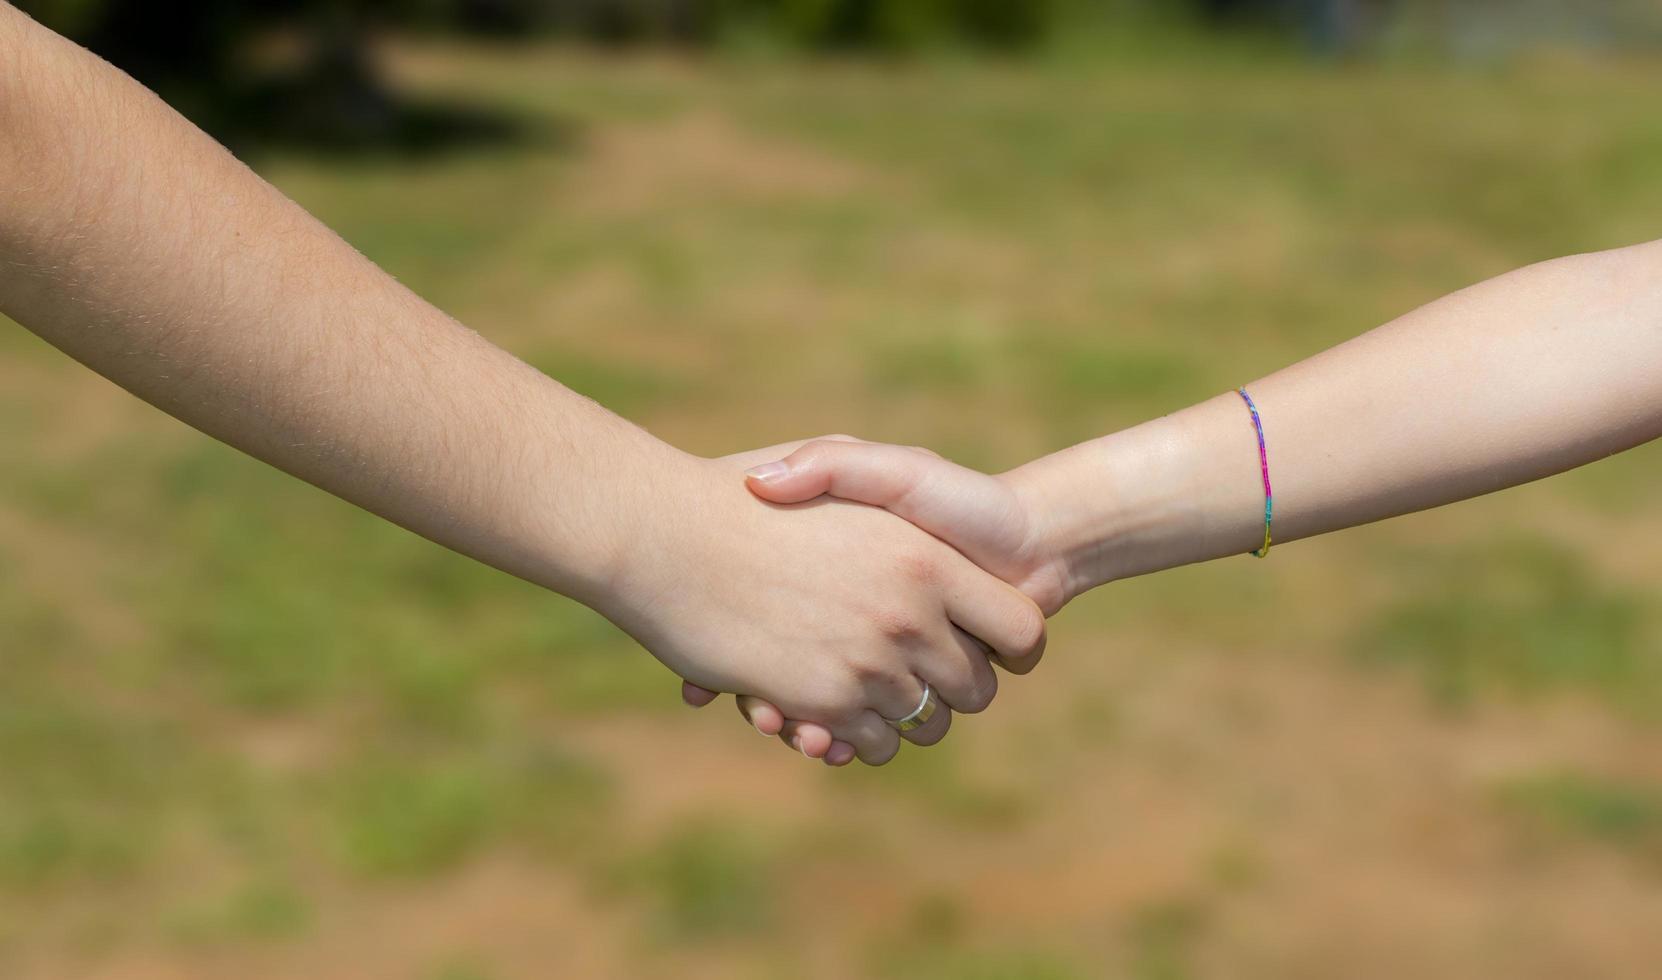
x=953 y=579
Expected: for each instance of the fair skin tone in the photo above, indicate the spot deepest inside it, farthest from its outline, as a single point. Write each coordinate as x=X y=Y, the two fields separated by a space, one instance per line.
x=1511 y=380
x=135 y=244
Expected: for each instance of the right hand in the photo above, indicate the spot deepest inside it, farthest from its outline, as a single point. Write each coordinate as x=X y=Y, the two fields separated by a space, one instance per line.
x=835 y=612
x=989 y=519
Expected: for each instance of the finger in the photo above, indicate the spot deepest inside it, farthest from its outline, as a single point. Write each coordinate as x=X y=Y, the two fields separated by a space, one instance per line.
x=1014 y=665
x=812 y=740
x=764 y=716
x=875 y=743
x=998 y=615
x=933 y=730
x=695 y=696
x=840 y=754
x=958 y=671
x=1020 y=665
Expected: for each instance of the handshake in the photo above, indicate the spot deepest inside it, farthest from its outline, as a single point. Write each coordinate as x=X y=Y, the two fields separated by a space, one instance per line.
x=855 y=594
x=860 y=593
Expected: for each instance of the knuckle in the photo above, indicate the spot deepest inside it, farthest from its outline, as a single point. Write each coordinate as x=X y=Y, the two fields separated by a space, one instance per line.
x=827 y=447
x=980 y=695
x=919 y=568
x=1027 y=630
x=1035 y=654
x=1018 y=665
x=895 y=626
x=866 y=673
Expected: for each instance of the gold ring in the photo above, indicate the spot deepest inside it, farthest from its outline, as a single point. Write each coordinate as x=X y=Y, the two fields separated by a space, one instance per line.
x=925 y=711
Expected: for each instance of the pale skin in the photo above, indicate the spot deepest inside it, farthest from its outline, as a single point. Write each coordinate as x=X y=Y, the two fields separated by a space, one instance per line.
x=1525 y=375
x=138 y=246
x=135 y=244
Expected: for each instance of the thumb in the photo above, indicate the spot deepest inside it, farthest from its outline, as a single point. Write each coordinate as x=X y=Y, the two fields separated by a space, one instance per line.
x=971 y=511
x=867 y=472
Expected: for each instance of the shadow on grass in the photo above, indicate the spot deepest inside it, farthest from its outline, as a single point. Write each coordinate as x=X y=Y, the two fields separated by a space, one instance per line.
x=276 y=76
x=373 y=124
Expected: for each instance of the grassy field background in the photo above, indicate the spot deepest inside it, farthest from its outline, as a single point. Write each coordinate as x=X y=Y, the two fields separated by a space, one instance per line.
x=246 y=730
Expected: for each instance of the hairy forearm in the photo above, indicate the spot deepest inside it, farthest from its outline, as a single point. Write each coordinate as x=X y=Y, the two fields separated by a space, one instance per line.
x=1519 y=377
x=137 y=245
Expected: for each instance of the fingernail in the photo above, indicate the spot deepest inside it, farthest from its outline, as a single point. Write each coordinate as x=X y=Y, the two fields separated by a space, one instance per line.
x=762 y=733
x=796 y=743
x=768 y=471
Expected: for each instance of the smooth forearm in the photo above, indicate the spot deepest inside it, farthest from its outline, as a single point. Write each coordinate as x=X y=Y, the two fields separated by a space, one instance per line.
x=1526 y=375
x=137 y=245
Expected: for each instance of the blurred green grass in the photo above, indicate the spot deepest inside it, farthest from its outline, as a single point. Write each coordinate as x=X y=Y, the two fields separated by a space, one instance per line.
x=1517 y=617
x=214 y=672
x=1622 y=814
x=707 y=881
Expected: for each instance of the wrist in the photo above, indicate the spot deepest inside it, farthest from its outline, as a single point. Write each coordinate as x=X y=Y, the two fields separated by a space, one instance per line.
x=1086 y=516
x=596 y=521
x=657 y=525
x=1176 y=490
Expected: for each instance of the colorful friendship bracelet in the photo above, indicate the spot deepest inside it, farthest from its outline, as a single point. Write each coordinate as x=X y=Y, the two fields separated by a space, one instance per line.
x=1264 y=465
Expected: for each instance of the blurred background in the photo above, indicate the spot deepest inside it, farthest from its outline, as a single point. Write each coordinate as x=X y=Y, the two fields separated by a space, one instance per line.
x=247 y=730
